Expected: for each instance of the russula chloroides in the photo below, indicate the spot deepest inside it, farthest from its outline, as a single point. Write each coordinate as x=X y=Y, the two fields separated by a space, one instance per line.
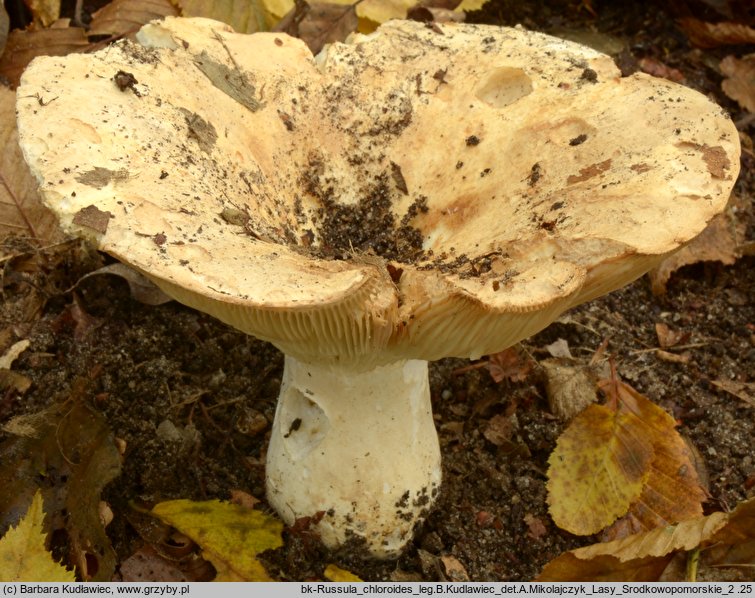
x=416 y=193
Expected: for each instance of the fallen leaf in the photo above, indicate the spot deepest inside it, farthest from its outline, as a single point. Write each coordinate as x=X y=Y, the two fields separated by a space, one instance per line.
x=672 y=491
x=23 y=46
x=21 y=209
x=71 y=447
x=146 y=564
x=14 y=380
x=142 y=288
x=124 y=17
x=508 y=365
x=535 y=527
x=320 y=23
x=335 y=573
x=245 y=16
x=9 y=379
x=645 y=556
x=668 y=337
x=598 y=469
x=6 y=361
x=44 y=12
x=597 y=40
x=371 y=13
x=453 y=568
x=739 y=83
x=673 y=357
x=244 y=499
x=656 y=68
x=500 y=429
x=742 y=390
x=569 y=385
x=436 y=11
x=4 y=26
x=559 y=348
x=23 y=556
x=720 y=241
x=230 y=536
x=711 y=35
x=442 y=4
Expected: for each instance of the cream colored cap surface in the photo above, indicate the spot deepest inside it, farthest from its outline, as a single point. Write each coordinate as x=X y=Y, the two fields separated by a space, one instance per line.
x=415 y=193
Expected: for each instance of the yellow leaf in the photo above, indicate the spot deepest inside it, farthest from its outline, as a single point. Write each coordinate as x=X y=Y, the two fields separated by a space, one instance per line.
x=672 y=492
x=643 y=557
x=335 y=573
x=245 y=16
x=230 y=536
x=45 y=12
x=23 y=556
x=598 y=469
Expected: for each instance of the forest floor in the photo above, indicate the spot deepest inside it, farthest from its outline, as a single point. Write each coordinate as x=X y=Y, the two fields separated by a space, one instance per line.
x=192 y=399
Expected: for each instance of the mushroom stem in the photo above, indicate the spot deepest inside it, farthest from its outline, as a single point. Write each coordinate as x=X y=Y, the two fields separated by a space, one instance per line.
x=357 y=450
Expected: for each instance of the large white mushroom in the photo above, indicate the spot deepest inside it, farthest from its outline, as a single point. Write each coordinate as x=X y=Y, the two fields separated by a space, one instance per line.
x=417 y=193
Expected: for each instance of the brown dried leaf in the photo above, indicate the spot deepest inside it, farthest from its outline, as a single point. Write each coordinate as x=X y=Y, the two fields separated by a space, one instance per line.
x=742 y=390
x=535 y=527
x=672 y=492
x=568 y=567
x=146 y=564
x=644 y=557
x=444 y=4
x=570 y=386
x=142 y=288
x=430 y=14
x=23 y=46
x=508 y=365
x=21 y=209
x=682 y=358
x=654 y=67
x=71 y=447
x=319 y=23
x=499 y=430
x=668 y=337
x=739 y=84
x=125 y=17
x=4 y=26
x=244 y=499
x=711 y=35
x=453 y=568
x=326 y=23
x=720 y=241
x=559 y=348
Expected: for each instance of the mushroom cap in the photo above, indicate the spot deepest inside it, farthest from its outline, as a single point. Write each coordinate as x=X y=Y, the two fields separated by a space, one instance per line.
x=419 y=192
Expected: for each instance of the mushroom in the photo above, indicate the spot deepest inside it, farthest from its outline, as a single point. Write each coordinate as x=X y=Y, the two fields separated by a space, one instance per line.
x=413 y=194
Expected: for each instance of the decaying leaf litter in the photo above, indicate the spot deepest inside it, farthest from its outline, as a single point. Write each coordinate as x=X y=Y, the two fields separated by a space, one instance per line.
x=490 y=530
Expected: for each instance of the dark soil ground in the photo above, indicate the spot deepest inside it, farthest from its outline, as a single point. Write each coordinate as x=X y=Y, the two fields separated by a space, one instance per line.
x=216 y=388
